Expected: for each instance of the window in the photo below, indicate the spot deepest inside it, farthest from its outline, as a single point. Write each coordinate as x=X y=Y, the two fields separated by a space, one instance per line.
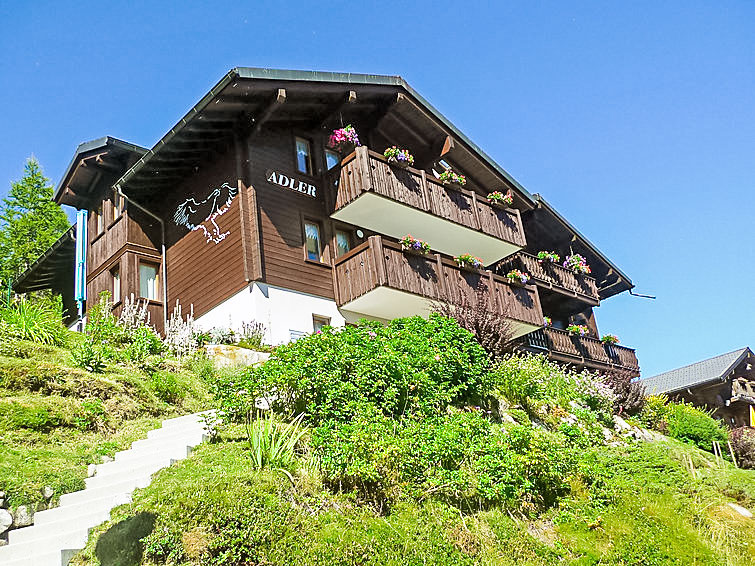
x=313 y=243
x=117 y=205
x=318 y=322
x=116 y=273
x=149 y=281
x=343 y=242
x=332 y=158
x=303 y=156
x=99 y=223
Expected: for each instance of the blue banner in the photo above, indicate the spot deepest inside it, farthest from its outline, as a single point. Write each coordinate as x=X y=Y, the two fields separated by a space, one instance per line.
x=80 y=285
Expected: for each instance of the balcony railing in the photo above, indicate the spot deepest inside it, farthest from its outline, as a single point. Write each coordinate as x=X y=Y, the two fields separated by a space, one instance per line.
x=396 y=201
x=581 y=350
x=378 y=280
x=555 y=277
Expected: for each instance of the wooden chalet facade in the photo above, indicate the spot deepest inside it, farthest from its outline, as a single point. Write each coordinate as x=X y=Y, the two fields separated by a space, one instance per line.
x=723 y=384
x=243 y=211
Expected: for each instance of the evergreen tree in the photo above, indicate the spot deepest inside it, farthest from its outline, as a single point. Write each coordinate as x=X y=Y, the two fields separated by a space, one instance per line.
x=30 y=221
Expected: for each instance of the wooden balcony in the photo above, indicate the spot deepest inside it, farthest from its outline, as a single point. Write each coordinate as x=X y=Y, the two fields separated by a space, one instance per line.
x=581 y=350
x=395 y=201
x=555 y=277
x=378 y=280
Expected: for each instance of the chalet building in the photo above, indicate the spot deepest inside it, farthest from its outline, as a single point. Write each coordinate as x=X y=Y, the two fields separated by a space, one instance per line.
x=244 y=211
x=724 y=384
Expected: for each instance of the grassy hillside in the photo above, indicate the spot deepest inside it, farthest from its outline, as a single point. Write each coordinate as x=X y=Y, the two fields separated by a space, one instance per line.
x=56 y=418
x=418 y=449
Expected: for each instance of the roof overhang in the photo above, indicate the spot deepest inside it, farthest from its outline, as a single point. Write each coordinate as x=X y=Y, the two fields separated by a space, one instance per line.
x=610 y=279
x=246 y=98
x=95 y=163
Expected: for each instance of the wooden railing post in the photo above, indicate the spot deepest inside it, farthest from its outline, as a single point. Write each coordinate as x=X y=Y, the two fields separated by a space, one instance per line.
x=378 y=255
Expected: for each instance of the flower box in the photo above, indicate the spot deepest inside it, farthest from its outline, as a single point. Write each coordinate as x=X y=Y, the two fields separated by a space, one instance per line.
x=548 y=257
x=497 y=198
x=413 y=245
x=547 y=321
x=399 y=157
x=518 y=278
x=451 y=179
x=577 y=264
x=469 y=262
x=577 y=330
x=610 y=339
x=344 y=140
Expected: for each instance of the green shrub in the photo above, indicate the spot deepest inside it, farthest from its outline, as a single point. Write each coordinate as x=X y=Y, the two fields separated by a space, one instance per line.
x=655 y=413
x=461 y=457
x=36 y=417
x=530 y=381
x=202 y=366
x=90 y=356
x=273 y=444
x=696 y=426
x=144 y=342
x=412 y=366
x=101 y=325
x=40 y=321
x=166 y=386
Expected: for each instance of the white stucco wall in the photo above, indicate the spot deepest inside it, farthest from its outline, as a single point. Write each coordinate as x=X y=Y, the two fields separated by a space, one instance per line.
x=282 y=311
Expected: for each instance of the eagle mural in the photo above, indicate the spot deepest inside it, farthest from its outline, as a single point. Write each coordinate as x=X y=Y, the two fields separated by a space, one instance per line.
x=194 y=215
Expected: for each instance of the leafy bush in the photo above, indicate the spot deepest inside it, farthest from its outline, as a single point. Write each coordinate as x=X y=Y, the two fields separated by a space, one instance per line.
x=532 y=381
x=166 y=386
x=40 y=320
x=221 y=335
x=696 y=426
x=273 y=444
x=412 y=366
x=743 y=444
x=655 y=413
x=630 y=392
x=461 y=457
x=251 y=335
x=144 y=342
x=36 y=417
x=102 y=325
x=90 y=356
x=90 y=416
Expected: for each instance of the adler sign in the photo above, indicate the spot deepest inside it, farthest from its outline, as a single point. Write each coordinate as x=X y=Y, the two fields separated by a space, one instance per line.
x=287 y=182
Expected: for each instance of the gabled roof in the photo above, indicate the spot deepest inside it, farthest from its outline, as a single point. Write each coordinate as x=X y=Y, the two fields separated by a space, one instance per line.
x=80 y=177
x=706 y=371
x=214 y=99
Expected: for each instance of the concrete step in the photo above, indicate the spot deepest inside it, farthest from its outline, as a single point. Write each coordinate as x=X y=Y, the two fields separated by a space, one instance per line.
x=72 y=538
x=126 y=469
x=49 y=558
x=150 y=444
x=57 y=514
x=179 y=451
x=123 y=486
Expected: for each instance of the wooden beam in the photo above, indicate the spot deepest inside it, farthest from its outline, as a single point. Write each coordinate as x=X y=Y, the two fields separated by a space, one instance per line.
x=334 y=110
x=271 y=108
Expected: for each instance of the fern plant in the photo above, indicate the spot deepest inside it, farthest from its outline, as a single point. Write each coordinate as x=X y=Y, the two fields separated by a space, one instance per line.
x=38 y=321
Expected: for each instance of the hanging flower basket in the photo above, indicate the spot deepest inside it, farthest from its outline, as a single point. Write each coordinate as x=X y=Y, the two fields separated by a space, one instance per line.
x=548 y=257
x=516 y=277
x=577 y=330
x=610 y=339
x=547 y=321
x=399 y=157
x=497 y=198
x=344 y=140
x=451 y=179
x=469 y=262
x=413 y=245
x=577 y=264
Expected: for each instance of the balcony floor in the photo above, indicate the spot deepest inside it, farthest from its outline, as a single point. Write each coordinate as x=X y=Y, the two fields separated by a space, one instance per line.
x=384 y=303
x=392 y=218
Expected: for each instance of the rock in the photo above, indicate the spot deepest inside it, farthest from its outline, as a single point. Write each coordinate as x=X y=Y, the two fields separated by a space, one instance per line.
x=741 y=510
x=47 y=492
x=620 y=424
x=6 y=520
x=3 y=504
x=506 y=418
x=91 y=470
x=23 y=517
x=607 y=434
x=106 y=459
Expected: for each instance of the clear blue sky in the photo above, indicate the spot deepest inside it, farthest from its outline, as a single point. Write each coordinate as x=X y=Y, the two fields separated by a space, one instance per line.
x=637 y=122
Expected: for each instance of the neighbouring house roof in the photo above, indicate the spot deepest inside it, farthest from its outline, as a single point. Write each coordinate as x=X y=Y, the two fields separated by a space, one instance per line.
x=699 y=373
x=54 y=269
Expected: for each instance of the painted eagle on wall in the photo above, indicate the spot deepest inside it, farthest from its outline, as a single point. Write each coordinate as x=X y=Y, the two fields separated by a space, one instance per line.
x=194 y=215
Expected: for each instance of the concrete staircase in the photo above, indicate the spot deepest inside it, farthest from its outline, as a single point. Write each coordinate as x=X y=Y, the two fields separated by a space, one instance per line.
x=58 y=533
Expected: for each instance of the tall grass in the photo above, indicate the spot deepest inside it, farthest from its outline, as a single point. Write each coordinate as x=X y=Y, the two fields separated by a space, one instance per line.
x=38 y=321
x=273 y=444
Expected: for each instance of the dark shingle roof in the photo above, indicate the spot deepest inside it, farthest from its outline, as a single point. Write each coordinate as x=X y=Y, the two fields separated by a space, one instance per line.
x=712 y=369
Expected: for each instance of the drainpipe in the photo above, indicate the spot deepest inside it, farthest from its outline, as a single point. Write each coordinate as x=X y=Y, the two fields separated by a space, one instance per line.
x=162 y=253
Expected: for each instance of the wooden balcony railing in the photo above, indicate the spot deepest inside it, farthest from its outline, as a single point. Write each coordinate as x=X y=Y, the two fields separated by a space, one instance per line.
x=367 y=172
x=582 y=350
x=379 y=264
x=554 y=276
